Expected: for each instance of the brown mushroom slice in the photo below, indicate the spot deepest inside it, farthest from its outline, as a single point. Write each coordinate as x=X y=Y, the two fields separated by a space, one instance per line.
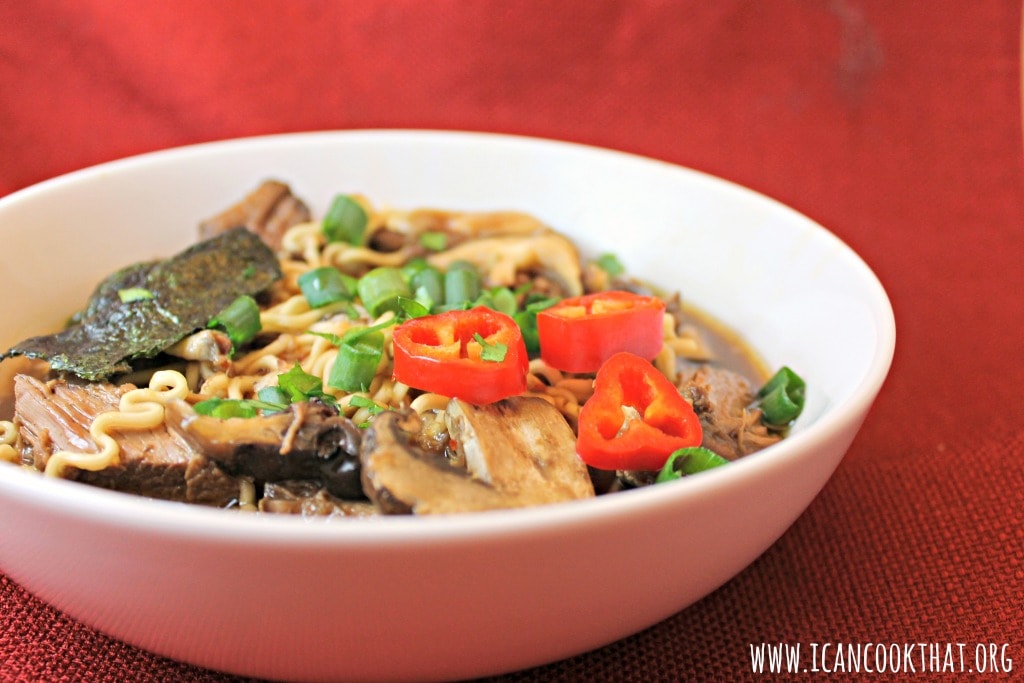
x=211 y=346
x=499 y=259
x=268 y=211
x=521 y=445
x=310 y=440
x=400 y=477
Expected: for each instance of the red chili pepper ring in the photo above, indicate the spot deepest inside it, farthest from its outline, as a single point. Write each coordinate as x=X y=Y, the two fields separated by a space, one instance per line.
x=635 y=419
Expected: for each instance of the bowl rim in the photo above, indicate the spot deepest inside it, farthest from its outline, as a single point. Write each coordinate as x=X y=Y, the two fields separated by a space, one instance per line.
x=131 y=512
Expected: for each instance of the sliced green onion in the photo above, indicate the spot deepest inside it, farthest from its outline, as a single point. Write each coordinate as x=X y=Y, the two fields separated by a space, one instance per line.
x=428 y=286
x=689 y=461
x=132 y=294
x=493 y=352
x=322 y=286
x=610 y=264
x=434 y=241
x=527 y=321
x=345 y=220
x=500 y=299
x=461 y=284
x=413 y=266
x=240 y=320
x=380 y=288
x=358 y=357
x=782 y=397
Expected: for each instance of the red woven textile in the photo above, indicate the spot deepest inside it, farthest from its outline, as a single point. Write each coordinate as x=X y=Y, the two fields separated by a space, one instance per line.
x=895 y=124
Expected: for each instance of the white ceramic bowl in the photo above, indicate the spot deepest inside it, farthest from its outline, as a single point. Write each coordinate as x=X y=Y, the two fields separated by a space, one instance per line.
x=474 y=595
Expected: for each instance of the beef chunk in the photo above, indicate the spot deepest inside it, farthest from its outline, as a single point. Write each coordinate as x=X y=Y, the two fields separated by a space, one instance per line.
x=723 y=401
x=268 y=211
x=57 y=415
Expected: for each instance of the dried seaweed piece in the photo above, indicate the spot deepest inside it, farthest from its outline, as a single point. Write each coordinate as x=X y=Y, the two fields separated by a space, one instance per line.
x=141 y=310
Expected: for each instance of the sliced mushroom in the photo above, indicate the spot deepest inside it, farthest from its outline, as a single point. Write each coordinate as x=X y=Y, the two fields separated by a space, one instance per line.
x=521 y=445
x=212 y=346
x=310 y=440
x=519 y=452
x=499 y=259
x=400 y=477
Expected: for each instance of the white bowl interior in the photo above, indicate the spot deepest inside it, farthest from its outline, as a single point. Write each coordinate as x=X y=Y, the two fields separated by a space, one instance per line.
x=794 y=291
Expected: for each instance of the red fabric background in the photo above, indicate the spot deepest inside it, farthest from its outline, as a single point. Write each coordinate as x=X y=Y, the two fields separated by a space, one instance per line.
x=895 y=124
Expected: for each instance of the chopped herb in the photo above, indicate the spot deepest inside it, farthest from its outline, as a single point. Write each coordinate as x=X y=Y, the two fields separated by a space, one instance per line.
x=130 y=294
x=298 y=385
x=494 y=353
x=224 y=408
x=363 y=402
x=610 y=264
x=274 y=395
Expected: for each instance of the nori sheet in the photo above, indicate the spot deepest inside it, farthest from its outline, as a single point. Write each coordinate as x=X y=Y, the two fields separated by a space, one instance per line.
x=188 y=290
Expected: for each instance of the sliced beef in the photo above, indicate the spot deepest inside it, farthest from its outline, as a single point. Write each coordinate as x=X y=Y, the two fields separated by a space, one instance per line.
x=268 y=211
x=310 y=440
x=723 y=401
x=56 y=416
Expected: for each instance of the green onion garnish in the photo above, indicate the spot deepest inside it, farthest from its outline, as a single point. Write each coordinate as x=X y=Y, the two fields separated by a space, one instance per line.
x=527 y=321
x=326 y=285
x=240 y=320
x=500 y=299
x=345 y=220
x=461 y=284
x=689 y=461
x=494 y=353
x=428 y=286
x=359 y=355
x=434 y=241
x=380 y=288
x=782 y=397
x=131 y=294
